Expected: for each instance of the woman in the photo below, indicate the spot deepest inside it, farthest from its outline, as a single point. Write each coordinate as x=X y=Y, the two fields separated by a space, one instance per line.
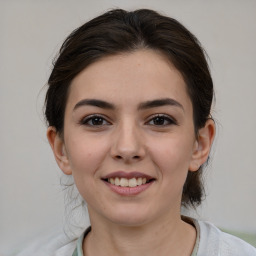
x=129 y=114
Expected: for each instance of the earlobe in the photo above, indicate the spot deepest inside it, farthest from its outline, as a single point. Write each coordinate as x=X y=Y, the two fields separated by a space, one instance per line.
x=59 y=150
x=202 y=145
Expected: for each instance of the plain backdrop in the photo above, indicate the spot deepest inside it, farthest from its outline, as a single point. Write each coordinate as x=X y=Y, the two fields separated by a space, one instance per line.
x=31 y=32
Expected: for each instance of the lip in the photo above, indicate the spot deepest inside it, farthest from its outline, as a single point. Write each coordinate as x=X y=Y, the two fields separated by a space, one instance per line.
x=127 y=175
x=128 y=191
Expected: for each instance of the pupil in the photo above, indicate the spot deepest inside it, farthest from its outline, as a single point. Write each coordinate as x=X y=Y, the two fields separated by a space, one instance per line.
x=97 y=121
x=159 y=121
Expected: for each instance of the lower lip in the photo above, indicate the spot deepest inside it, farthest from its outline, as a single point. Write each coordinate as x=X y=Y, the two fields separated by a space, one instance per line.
x=128 y=191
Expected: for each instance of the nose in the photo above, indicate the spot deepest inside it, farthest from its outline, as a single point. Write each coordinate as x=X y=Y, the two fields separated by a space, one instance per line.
x=128 y=144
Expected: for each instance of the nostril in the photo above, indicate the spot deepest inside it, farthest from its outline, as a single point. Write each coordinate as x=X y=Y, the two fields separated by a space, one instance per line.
x=120 y=157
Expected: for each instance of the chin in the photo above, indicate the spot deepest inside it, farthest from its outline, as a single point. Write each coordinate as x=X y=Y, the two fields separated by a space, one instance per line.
x=130 y=221
x=133 y=217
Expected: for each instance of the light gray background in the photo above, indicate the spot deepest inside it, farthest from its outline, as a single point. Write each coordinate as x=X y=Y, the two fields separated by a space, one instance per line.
x=31 y=199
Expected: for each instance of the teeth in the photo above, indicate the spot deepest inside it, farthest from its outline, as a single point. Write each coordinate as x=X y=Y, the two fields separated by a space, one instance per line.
x=117 y=182
x=132 y=183
x=123 y=182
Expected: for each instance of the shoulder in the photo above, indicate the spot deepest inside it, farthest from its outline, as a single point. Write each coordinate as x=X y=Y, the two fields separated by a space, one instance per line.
x=231 y=245
x=54 y=245
x=214 y=242
x=66 y=250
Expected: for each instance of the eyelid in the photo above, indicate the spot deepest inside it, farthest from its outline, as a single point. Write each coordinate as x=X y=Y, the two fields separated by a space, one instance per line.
x=172 y=120
x=91 y=116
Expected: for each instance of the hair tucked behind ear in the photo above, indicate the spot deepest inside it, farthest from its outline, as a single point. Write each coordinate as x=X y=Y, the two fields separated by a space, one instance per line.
x=120 y=31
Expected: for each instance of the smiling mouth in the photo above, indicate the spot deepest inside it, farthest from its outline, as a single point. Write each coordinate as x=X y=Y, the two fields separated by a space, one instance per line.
x=124 y=182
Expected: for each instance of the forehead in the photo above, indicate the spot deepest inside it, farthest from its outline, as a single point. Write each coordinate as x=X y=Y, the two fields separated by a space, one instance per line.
x=126 y=78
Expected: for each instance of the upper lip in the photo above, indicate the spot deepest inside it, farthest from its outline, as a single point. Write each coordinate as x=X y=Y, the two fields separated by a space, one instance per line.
x=127 y=175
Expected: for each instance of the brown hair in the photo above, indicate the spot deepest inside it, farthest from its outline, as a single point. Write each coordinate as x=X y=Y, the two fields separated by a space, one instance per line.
x=119 y=31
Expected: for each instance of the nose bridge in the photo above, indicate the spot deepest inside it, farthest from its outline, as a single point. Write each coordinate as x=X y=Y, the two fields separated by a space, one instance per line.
x=128 y=142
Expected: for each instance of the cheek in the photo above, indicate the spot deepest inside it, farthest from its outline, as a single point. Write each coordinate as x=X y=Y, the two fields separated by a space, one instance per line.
x=172 y=156
x=85 y=156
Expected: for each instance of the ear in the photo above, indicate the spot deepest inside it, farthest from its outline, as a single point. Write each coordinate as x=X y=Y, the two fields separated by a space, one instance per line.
x=202 y=145
x=59 y=150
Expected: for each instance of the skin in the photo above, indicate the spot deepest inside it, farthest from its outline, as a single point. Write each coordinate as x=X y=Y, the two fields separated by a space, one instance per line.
x=130 y=138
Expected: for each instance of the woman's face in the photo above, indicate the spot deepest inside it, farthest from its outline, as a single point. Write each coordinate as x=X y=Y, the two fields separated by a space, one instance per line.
x=129 y=120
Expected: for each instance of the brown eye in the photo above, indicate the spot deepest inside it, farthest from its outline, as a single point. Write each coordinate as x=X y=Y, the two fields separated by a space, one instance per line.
x=95 y=121
x=161 y=120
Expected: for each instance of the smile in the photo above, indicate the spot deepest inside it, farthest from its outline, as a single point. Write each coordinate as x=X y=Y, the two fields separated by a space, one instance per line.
x=123 y=182
x=128 y=183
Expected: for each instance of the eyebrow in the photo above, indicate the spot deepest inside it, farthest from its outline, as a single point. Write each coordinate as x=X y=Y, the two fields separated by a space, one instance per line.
x=143 y=105
x=160 y=103
x=94 y=102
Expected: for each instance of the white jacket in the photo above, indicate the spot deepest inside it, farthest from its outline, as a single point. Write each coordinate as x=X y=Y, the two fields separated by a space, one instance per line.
x=213 y=242
x=210 y=242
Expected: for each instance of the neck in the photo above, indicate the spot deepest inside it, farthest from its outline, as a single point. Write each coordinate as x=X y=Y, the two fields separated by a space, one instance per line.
x=171 y=236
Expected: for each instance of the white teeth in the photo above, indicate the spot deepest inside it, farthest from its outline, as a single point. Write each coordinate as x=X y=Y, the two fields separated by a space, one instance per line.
x=117 y=182
x=123 y=182
x=132 y=183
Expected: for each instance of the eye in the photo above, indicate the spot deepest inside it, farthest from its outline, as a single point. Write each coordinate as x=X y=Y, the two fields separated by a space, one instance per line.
x=161 y=120
x=94 y=120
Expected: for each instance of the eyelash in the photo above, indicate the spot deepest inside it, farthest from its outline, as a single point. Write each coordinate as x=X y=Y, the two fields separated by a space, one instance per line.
x=164 y=118
x=161 y=117
x=91 y=118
